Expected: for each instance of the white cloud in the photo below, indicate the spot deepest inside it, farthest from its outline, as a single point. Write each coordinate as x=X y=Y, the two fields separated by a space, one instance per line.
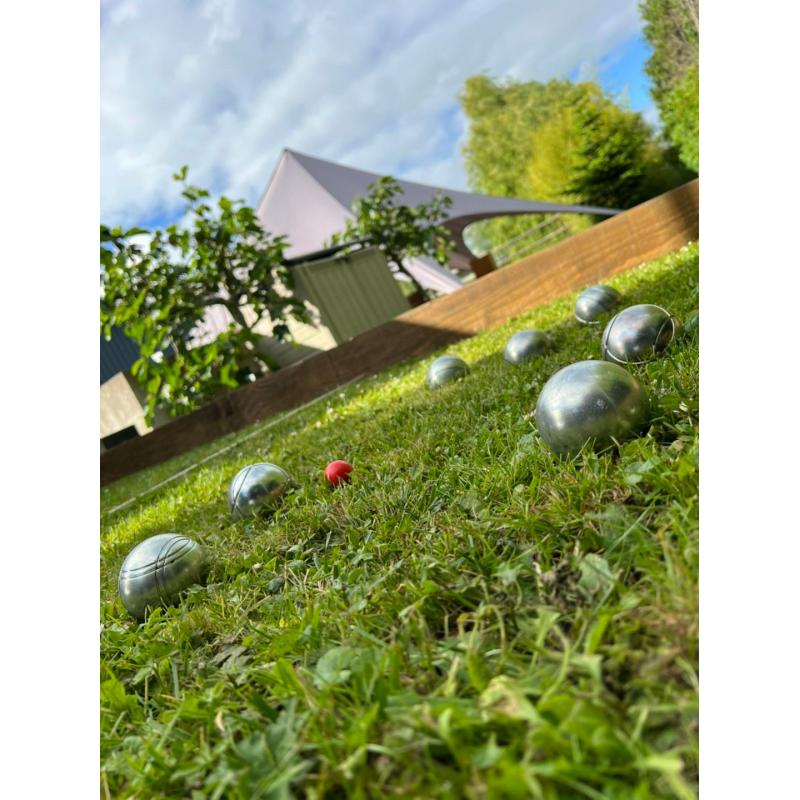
x=224 y=85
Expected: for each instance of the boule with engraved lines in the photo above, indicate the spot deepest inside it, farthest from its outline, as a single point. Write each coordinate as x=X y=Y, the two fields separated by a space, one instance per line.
x=638 y=334
x=157 y=570
x=258 y=488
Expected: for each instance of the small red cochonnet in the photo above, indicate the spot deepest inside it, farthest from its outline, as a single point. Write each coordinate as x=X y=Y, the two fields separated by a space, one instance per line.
x=338 y=472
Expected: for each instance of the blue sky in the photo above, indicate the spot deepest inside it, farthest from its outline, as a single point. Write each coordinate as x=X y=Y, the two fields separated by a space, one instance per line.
x=225 y=85
x=622 y=71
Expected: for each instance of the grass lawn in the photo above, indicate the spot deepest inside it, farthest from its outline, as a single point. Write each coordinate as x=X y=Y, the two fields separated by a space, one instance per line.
x=471 y=617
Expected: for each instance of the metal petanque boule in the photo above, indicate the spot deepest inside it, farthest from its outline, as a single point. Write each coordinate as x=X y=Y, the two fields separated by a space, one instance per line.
x=157 y=570
x=595 y=302
x=525 y=345
x=590 y=401
x=638 y=334
x=257 y=488
x=446 y=369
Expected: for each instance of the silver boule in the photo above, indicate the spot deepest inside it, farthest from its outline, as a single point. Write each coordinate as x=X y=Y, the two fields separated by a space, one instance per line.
x=157 y=570
x=446 y=369
x=525 y=345
x=595 y=302
x=257 y=488
x=590 y=401
x=638 y=334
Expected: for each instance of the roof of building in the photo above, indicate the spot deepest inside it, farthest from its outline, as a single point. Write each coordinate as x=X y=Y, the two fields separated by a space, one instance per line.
x=308 y=199
x=116 y=355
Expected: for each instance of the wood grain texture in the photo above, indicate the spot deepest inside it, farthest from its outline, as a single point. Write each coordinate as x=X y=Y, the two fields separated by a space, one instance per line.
x=647 y=231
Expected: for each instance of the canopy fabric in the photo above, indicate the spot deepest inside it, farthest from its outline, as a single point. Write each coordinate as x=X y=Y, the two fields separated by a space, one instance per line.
x=308 y=199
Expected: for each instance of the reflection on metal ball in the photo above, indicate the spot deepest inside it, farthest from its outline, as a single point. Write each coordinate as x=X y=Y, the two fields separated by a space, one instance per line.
x=158 y=569
x=525 y=345
x=595 y=302
x=446 y=369
x=590 y=401
x=638 y=334
x=258 y=487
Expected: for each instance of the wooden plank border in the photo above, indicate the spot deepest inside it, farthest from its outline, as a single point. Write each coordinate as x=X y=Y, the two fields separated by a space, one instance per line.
x=647 y=231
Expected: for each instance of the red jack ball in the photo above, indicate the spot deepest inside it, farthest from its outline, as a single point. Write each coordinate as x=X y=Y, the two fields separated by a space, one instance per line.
x=338 y=472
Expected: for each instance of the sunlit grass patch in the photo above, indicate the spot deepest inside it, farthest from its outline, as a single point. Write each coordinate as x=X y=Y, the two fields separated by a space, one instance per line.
x=470 y=617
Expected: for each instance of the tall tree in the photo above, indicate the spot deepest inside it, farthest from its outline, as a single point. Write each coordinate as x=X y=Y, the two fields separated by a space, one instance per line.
x=559 y=141
x=158 y=287
x=672 y=28
x=502 y=115
x=594 y=152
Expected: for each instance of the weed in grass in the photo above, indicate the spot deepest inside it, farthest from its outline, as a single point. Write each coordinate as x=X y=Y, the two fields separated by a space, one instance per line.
x=469 y=617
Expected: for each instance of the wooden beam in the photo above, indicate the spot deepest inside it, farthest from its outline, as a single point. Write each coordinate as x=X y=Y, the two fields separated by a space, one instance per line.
x=483 y=265
x=652 y=229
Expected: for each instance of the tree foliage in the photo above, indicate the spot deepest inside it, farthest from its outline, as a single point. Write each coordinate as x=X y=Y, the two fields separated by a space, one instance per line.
x=159 y=286
x=562 y=142
x=592 y=151
x=680 y=113
x=399 y=231
x=672 y=28
x=502 y=117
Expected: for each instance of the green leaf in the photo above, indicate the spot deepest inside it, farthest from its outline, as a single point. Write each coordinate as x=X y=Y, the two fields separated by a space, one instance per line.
x=596 y=576
x=505 y=697
x=487 y=755
x=334 y=667
x=114 y=697
x=636 y=471
x=476 y=669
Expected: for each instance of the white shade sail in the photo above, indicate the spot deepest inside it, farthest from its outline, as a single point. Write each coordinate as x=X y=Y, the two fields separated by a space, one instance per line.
x=309 y=199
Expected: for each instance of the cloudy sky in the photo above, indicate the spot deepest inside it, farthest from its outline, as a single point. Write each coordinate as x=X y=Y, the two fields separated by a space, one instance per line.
x=225 y=85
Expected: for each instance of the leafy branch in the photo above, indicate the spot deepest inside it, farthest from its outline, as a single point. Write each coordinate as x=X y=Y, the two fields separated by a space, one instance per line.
x=158 y=287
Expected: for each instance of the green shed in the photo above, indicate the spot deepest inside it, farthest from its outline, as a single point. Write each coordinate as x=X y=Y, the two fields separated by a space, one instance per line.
x=345 y=295
x=353 y=293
